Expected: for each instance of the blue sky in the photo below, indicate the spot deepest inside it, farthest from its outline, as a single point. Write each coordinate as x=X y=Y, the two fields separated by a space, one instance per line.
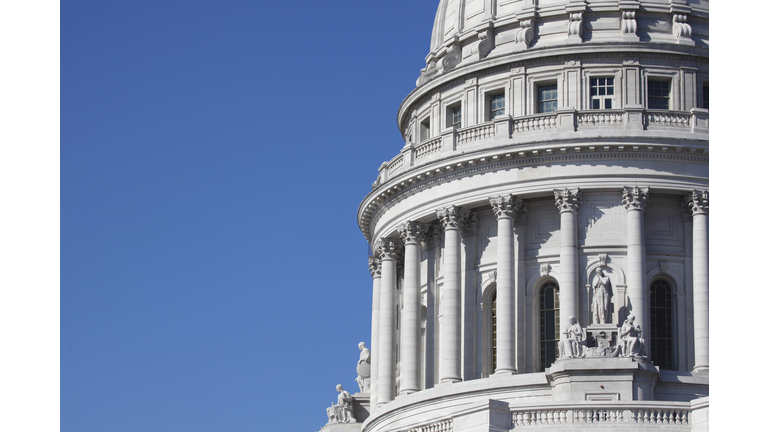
x=213 y=155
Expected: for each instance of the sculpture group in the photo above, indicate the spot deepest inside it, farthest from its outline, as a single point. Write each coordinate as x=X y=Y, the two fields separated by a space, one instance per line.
x=628 y=338
x=342 y=410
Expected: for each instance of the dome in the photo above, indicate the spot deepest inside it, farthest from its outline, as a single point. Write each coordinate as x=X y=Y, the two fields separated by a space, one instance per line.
x=466 y=31
x=539 y=245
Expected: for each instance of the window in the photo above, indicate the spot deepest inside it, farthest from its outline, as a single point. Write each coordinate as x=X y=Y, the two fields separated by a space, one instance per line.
x=601 y=93
x=494 y=351
x=497 y=105
x=549 y=320
x=658 y=94
x=424 y=130
x=547 y=98
x=454 y=116
x=705 y=95
x=661 y=324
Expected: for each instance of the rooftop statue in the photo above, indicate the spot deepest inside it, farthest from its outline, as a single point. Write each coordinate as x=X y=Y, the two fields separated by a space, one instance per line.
x=341 y=411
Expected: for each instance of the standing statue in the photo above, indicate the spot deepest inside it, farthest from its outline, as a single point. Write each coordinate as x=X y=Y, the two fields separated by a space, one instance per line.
x=601 y=297
x=341 y=411
x=364 y=369
x=573 y=340
x=632 y=344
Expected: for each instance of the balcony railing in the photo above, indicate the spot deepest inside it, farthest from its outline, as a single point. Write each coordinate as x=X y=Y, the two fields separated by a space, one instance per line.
x=565 y=123
x=601 y=416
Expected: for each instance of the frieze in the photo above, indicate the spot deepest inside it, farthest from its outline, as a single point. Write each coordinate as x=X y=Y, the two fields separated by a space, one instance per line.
x=389 y=197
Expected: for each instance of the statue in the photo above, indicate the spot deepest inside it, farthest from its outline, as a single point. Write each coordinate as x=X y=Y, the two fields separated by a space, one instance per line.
x=631 y=342
x=341 y=411
x=601 y=297
x=573 y=341
x=364 y=369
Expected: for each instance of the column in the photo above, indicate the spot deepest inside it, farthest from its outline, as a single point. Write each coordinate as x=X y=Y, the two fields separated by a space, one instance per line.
x=412 y=234
x=568 y=202
x=635 y=199
x=506 y=208
x=452 y=219
x=374 y=265
x=386 y=250
x=698 y=203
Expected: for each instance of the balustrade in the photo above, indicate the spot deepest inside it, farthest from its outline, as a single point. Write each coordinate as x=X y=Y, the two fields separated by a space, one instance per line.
x=591 y=119
x=600 y=415
x=442 y=426
x=476 y=133
x=602 y=118
x=428 y=147
x=540 y=122
x=666 y=118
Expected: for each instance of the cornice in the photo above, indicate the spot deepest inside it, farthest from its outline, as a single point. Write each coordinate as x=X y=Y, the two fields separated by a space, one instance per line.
x=438 y=172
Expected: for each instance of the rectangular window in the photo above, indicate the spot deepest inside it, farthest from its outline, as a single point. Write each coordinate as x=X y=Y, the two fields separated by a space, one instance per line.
x=705 y=95
x=658 y=94
x=424 y=130
x=497 y=105
x=601 y=93
x=547 y=98
x=454 y=116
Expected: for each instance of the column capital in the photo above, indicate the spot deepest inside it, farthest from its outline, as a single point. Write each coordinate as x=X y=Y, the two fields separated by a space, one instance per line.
x=635 y=198
x=387 y=248
x=568 y=200
x=508 y=206
x=412 y=232
x=453 y=217
x=470 y=224
x=697 y=202
x=374 y=266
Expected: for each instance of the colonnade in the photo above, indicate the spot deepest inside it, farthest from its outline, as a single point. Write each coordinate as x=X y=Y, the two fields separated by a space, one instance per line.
x=507 y=209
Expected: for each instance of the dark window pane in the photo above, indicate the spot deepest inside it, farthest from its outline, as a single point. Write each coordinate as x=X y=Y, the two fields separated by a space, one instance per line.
x=608 y=103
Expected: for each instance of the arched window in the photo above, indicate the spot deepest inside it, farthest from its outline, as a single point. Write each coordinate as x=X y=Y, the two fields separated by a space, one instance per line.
x=549 y=318
x=661 y=324
x=493 y=332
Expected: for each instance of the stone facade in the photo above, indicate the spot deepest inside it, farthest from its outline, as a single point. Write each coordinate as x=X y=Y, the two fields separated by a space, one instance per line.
x=540 y=243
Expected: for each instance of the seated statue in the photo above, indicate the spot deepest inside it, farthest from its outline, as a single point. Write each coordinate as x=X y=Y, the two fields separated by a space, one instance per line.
x=632 y=344
x=574 y=338
x=341 y=411
x=364 y=369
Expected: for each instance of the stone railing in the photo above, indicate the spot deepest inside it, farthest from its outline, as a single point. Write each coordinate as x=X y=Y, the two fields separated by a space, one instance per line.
x=428 y=147
x=600 y=118
x=442 y=426
x=475 y=133
x=395 y=165
x=534 y=123
x=601 y=415
x=590 y=122
x=666 y=118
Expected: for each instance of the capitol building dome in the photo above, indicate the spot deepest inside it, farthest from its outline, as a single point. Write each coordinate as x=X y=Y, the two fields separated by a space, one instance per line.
x=540 y=244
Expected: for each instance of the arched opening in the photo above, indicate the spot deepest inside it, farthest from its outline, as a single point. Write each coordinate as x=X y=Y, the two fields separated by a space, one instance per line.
x=549 y=317
x=661 y=325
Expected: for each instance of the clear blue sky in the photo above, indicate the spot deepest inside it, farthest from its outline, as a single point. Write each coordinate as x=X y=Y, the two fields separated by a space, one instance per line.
x=213 y=155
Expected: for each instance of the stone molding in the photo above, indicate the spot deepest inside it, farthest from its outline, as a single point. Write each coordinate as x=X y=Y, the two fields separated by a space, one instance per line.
x=568 y=200
x=508 y=206
x=412 y=232
x=635 y=198
x=388 y=248
x=453 y=217
x=697 y=202
x=374 y=266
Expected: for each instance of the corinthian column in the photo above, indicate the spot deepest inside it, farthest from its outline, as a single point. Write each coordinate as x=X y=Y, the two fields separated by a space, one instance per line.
x=698 y=203
x=386 y=250
x=507 y=208
x=374 y=265
x=452 y=219
x=568 y=202
x=412 y=234
x=635 y=199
